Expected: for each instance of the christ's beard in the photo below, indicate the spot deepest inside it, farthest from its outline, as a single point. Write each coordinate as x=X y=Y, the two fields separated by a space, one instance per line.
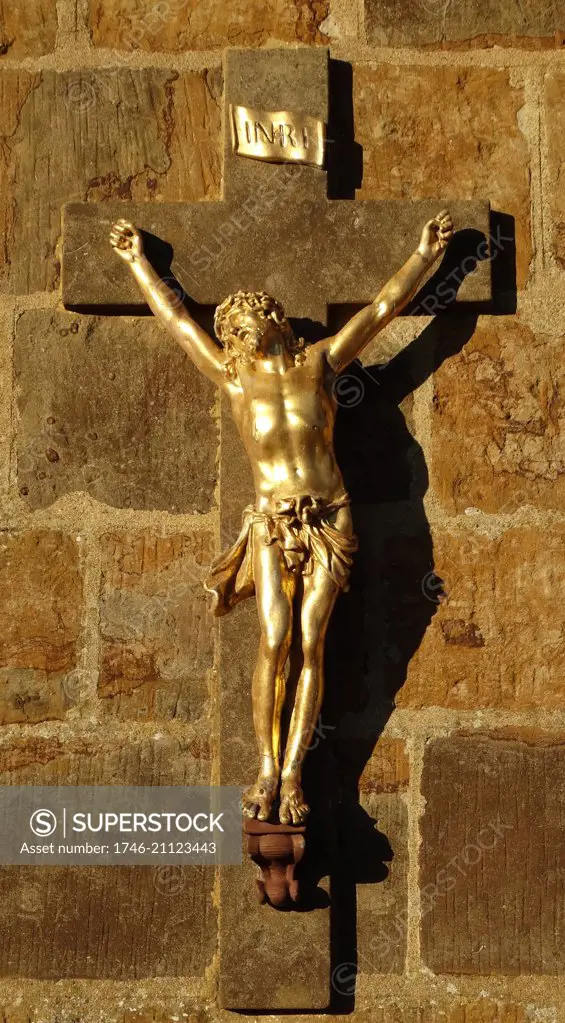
x=251 y=342
x=254 y=343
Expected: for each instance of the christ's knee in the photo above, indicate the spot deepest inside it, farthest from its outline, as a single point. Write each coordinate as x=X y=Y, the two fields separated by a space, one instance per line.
x=275 y=641
x=312 y=645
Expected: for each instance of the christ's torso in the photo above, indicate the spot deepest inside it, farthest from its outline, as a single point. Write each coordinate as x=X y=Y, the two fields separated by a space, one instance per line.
x=286 y=422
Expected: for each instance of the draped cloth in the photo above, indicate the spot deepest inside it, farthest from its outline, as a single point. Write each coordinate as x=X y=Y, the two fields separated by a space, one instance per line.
x=302 y=529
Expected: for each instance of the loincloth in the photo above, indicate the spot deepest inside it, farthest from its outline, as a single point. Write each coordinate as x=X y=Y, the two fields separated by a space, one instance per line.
x=301 y=528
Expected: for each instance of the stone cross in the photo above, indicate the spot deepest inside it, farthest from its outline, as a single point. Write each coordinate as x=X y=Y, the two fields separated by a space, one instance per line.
x=275 y=229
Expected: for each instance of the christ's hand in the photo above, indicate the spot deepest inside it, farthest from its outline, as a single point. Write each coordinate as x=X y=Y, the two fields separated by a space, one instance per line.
x=350 y=341
x=435 y=236
x=127 y=241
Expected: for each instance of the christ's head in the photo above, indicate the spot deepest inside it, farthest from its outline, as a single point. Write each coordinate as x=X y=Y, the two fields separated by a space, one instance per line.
x=250 y=324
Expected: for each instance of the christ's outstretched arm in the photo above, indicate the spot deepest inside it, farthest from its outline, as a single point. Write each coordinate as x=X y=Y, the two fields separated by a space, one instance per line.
x=350 y=341
x=165 y=303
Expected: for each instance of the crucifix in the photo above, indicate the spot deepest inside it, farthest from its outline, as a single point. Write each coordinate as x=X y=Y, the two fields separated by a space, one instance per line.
x=275 y=249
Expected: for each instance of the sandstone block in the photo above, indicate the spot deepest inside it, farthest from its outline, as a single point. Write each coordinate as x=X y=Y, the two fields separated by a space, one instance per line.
x=492 y=855
x=387 y=769
x=497 y=443
x=93 y=135
x=554 y=107
x=484 y=1011
x=195 y=25
x=156 y=628
x=450 y=132
x=495 y=640
x=114 y=408
x=40 y=622
x=27 y=33
x=433 y=23
x=107 y=922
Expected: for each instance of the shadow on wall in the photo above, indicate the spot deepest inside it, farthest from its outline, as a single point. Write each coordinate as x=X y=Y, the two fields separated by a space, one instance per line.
x=379 y=624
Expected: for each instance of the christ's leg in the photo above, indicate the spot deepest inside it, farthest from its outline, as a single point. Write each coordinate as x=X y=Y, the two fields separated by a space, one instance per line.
x=274 y=586
x=320 y=592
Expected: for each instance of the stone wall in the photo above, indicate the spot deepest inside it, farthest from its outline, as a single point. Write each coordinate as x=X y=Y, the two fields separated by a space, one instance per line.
x=455 y=455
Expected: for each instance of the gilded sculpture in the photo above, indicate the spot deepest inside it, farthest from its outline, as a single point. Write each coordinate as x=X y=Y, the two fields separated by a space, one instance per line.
x=296 y=545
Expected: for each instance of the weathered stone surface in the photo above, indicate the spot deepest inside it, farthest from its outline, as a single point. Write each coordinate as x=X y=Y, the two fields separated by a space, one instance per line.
x=274 y=79
x=85 y=1002
x=290 y=247
x=275 y=230
x=40 y=620
x=162 y=1016
x=28 y=32
x=554 y=110
x=370 y=869
x=483 y=1011
x=106 y=922
x=493 y=855
x=250 y=933
x=387 y=769
x=496 y=640
x=535 y=24
x=114 y=408
x=382 y=857
x=156 y=630
x=449 y=132
x=99 y=760
x=497 y=423
x=382 y=1011
x=91 y=135
x=196 y=25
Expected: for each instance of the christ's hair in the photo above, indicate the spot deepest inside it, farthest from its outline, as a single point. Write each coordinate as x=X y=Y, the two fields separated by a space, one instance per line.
x=238 y=347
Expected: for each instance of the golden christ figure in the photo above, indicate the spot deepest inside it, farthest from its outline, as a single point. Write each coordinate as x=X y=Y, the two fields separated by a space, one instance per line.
x=296 y=545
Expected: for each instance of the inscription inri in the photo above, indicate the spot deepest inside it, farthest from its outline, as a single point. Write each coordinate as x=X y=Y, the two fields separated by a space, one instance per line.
x=278 y=137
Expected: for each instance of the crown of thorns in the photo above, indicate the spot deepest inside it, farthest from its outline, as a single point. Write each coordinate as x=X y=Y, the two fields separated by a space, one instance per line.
x=228 y=330
x=225 y=319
